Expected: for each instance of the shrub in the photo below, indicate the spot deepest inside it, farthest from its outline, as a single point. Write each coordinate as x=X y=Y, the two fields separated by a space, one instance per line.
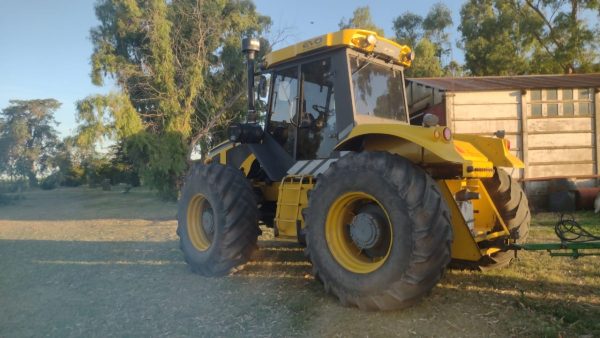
x=13 y=186
x=51 y=182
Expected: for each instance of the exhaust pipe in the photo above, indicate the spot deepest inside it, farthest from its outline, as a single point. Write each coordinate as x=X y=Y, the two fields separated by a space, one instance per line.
x=250 y=46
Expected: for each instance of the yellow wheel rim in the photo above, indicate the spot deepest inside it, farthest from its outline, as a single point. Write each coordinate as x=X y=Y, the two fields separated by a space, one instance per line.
x=343 y=248
x=199 y=237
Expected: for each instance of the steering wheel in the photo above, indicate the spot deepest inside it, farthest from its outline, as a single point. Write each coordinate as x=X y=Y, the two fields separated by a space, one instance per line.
x=320 y=109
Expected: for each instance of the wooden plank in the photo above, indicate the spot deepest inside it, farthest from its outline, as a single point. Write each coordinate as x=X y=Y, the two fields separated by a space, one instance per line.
x=523 y=114
x=561 y=147
x=449 y=97
x=556 y=140
x=561 y=155
x=488 y=112
x=562 y=124
x=586 y=178
x=557 y=132
x=531 y=163
x=561 y=170
x=488 y=126
x=489 y=98
x=596 y=106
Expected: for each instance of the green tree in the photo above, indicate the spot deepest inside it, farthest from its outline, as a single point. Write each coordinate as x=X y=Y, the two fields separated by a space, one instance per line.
x=28 y=138
x=361 y=18
x=178 y=65
x=524 y=37
x=408 y=28
x=492 y=38
x=427 y=63
x=435 y=24
x=428 y=37
x=564 y=42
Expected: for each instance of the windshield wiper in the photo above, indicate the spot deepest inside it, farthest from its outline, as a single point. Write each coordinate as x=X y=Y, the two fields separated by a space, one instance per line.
x=367 y=62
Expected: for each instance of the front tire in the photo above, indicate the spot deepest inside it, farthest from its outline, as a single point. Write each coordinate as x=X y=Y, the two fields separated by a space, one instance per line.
x=217 y=219
x=378 y=231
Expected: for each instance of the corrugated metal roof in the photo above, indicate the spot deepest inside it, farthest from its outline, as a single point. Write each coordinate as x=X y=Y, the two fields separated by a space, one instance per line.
x=485 y=83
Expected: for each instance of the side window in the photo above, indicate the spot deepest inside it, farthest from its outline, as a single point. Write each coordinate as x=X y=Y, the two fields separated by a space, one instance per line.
x=316 y=128
x=284 y=107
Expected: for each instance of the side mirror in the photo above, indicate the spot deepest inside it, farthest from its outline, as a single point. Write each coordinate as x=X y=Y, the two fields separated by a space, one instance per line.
x=263 y=86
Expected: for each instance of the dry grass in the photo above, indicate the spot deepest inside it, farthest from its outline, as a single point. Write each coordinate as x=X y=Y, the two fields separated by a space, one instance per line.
x=78 y=262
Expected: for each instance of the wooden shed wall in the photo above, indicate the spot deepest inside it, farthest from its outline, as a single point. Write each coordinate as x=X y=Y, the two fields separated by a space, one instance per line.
x=550 y=144
x=484 y=113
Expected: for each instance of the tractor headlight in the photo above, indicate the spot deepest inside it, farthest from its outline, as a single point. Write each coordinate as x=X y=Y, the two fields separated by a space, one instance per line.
x=371 y=39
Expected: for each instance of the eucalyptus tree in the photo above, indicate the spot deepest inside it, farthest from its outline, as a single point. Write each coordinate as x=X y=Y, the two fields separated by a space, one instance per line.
x=178 y=67
x=28 y=138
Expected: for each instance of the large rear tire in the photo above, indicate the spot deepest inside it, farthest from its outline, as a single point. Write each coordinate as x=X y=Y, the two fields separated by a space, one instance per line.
x=378 y=231
x=217 y=219
x=513 y=206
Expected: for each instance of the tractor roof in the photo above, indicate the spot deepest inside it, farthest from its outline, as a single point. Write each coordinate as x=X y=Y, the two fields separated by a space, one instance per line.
x=358 y=39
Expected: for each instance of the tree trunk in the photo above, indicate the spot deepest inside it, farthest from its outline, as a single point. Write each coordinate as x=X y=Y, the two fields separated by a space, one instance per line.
x=33 y=182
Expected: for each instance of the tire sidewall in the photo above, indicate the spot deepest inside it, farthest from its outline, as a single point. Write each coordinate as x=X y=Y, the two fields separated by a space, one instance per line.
x=196 y=184
x=385 y=191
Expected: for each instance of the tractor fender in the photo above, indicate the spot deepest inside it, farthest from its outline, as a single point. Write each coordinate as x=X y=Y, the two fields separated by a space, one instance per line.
x=495 y=149
x=419 y=144
x=428 y=146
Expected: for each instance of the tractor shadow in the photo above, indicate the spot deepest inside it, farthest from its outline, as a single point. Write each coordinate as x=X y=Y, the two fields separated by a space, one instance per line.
x=277 y=259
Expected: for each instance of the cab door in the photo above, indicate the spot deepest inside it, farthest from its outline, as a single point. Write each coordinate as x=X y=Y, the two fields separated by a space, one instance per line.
x=316 y=127
x=284 y=109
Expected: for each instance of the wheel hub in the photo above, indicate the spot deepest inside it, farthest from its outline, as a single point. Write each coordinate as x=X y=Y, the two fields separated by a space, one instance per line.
x=365 y=230
x=208 y=222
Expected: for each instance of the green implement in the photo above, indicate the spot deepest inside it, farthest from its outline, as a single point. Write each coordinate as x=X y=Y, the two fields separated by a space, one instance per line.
x=564 y=249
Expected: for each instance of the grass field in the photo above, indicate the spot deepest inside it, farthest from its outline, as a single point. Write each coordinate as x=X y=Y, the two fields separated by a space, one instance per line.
x=82 y=262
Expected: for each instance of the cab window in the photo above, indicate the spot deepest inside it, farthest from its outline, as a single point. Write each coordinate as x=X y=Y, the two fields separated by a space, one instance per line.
x=284 y=107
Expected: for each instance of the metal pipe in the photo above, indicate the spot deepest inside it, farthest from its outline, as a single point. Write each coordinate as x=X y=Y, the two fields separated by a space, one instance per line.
x=250 y=46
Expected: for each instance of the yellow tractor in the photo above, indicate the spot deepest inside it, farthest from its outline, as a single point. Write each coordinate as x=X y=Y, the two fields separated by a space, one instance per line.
x=382 y=206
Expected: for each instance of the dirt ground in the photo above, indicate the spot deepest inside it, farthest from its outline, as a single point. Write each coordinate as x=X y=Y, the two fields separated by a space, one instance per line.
x=81 y=262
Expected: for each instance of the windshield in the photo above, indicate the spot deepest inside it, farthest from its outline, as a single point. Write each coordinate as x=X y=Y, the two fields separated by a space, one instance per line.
x=378 y=89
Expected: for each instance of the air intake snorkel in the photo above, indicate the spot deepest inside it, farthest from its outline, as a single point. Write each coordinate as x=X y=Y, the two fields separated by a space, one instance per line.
x=250 y=131
x=250 y=46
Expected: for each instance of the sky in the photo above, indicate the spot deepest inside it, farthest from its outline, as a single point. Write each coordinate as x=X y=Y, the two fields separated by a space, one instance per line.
x=45 y=47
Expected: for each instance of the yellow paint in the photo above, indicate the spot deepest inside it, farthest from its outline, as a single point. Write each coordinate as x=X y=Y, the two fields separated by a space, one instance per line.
x=488 y=224
x=495 y=149
x=489 y=251
x=195 y=229
x=353 y=38
x=422 y=146
x=247 y=164
x=220 y=149
x=270 y=191
x=341 y=246
x=486 y=215
x=292 y=199
x=463 y=246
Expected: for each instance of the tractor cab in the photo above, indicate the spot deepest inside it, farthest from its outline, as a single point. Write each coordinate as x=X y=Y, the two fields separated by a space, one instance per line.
x=322 y=88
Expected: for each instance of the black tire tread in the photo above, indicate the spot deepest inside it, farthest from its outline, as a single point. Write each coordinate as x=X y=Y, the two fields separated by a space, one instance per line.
x=513 y=206
x=240 y=227
x=432 y=235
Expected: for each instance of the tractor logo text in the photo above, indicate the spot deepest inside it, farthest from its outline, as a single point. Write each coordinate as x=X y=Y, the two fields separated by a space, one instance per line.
x=312 y=43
